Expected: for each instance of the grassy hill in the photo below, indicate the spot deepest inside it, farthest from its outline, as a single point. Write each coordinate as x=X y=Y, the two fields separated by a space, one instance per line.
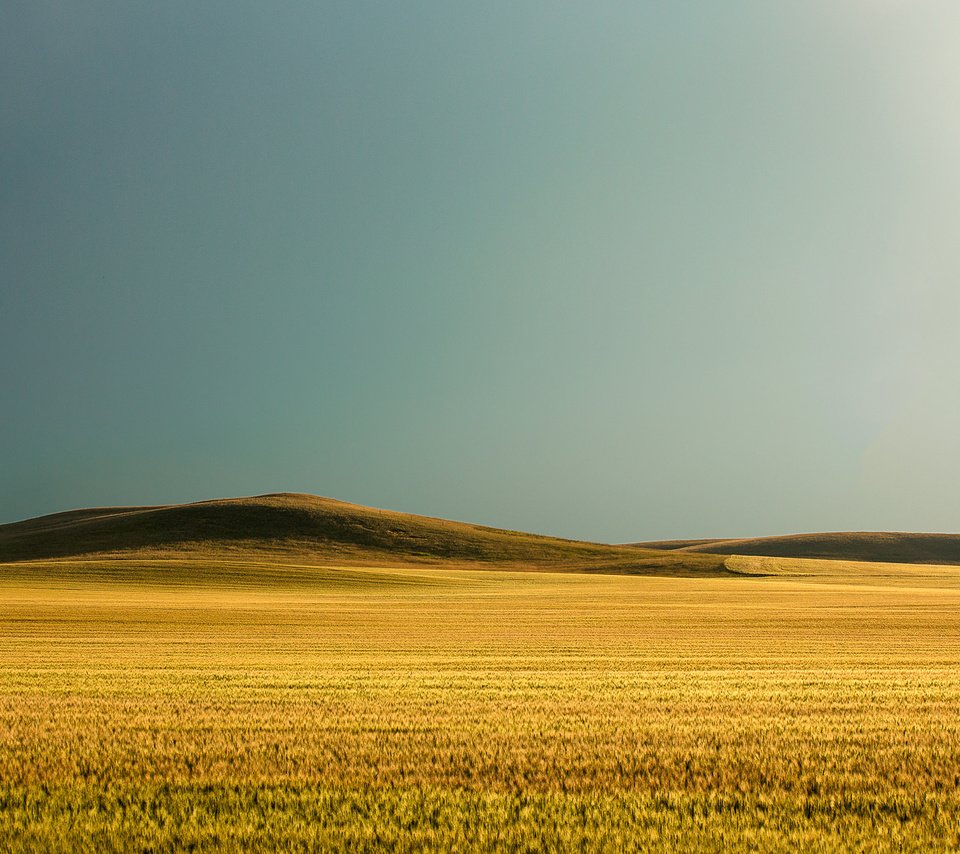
x=875 y=547
x=306 y=528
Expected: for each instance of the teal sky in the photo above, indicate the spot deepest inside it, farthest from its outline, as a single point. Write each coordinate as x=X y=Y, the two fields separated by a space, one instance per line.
x=605 y=270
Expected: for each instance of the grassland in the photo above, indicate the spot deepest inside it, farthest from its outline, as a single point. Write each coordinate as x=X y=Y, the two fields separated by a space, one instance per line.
x=860 y=546
x=301 y=531
x=208 y=704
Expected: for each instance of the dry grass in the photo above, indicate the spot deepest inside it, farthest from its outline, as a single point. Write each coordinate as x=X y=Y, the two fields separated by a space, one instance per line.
x=419 y=708
x=864 y=546
x=304 y=530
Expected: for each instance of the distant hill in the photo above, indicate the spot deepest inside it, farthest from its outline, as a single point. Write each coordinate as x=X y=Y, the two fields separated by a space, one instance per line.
x=312 y=529
x=882 y=547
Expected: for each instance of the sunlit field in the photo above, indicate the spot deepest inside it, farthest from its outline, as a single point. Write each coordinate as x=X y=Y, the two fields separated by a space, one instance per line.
x=361 y=709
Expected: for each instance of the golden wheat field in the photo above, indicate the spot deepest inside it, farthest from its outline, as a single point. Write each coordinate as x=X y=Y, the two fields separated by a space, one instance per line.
x=411 y=709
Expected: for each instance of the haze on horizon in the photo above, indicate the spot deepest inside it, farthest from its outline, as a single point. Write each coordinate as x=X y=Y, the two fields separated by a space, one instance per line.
x=613 y=271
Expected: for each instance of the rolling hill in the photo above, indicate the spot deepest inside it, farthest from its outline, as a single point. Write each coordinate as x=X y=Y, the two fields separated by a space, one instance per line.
x=289 y=527
x=875 y=547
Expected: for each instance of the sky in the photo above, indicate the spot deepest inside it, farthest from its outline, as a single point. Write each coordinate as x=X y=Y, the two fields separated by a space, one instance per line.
x=614 y=271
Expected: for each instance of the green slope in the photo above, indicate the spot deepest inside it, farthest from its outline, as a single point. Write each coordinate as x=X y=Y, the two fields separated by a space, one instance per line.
x=313 y=529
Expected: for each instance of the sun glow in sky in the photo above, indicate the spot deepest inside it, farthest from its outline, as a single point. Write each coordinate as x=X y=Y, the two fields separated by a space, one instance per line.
x=612 y=271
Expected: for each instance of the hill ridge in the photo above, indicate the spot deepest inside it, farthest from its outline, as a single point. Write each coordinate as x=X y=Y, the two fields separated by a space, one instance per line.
x=871 y=546
x=316 y=528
